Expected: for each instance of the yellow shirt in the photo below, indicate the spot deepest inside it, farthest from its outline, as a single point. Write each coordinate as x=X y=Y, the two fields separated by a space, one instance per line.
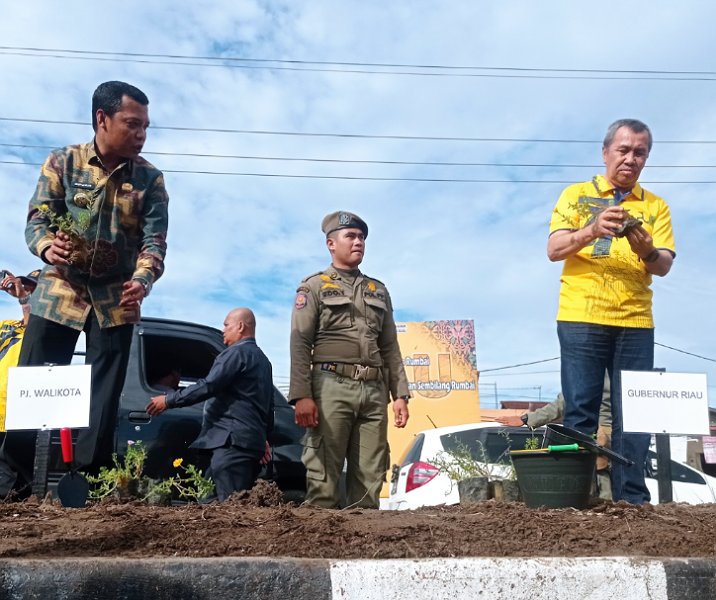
x=605 y=282
x=11 y=333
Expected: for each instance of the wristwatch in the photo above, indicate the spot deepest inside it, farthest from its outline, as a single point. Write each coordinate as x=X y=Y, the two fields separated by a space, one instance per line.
x=653 y=256
x=406 y=398
x=144 y=284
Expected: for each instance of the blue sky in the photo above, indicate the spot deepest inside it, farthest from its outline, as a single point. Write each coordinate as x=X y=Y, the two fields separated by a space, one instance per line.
x=445 y=249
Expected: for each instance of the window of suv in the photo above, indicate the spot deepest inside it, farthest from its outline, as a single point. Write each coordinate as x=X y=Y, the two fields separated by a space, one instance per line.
x=192 y=358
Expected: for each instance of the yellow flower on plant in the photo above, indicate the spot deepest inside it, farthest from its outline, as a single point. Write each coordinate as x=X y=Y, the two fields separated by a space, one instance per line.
x=177 y=462
x=44 y=207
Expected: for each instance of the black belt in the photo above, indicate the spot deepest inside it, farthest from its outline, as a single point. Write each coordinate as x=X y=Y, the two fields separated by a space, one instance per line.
x=357 y=372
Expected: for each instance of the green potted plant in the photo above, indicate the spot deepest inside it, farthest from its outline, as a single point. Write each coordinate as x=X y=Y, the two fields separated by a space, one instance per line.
x=532 y=442
x=556 y=476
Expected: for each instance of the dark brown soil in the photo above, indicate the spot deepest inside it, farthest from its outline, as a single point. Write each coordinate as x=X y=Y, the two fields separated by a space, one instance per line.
x=257 y=525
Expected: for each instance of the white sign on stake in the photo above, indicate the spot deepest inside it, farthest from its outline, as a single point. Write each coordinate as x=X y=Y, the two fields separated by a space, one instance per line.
x=658 y=402
x=48 y=397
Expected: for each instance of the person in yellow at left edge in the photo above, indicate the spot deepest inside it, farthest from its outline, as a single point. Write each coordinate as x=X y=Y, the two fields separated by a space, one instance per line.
x=11 y=333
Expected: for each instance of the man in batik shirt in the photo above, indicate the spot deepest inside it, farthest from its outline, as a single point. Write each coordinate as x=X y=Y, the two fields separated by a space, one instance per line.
x=98 y=219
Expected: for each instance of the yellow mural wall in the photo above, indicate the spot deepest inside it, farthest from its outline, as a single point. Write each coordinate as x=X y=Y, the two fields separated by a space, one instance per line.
x=441 y=365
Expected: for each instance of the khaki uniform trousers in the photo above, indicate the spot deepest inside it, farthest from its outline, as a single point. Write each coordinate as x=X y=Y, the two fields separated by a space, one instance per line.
x=352 y=426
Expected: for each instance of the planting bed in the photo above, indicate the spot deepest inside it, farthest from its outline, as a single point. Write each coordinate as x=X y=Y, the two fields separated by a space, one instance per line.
x=258 y=525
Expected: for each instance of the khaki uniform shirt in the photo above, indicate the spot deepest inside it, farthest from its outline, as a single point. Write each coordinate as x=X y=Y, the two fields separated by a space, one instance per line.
x=346 y=317
x=123 y=217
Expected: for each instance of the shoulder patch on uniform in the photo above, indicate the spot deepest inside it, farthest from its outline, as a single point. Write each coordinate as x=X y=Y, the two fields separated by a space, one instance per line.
x=301 y=300
x=374 y=280
x=302 y=288
x=305 y=279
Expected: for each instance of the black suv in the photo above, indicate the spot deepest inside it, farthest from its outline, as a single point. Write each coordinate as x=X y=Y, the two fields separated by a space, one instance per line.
x=192 y=348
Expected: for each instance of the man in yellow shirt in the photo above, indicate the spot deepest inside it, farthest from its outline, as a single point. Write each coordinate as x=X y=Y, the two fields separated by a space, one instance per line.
x=612 y=235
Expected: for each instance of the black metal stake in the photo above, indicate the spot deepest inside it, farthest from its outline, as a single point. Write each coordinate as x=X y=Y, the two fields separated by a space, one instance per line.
x=663 y=466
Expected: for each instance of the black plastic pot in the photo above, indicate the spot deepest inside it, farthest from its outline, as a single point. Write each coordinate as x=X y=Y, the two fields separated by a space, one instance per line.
x=505 y=490
x=474 y=489
x=559 y=434
x=555 y=479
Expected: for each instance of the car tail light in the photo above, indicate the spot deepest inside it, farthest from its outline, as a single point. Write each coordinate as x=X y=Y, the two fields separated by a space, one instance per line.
x=419 y=474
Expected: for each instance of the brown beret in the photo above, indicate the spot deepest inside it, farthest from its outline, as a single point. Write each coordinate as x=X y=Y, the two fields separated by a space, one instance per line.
x=342 y=219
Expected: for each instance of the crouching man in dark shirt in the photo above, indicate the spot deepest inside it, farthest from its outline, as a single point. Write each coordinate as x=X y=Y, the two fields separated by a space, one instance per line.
x=239 y=414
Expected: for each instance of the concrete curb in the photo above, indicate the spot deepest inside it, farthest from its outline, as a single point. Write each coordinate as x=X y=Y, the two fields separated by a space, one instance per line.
x=315 y=579
x=165 y=579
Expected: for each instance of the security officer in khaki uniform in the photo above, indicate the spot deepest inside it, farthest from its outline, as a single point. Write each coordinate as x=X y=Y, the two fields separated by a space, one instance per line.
x=344 y=360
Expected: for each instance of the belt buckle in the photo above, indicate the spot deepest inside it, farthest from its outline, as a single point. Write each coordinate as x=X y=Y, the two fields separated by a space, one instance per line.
x=360 y=373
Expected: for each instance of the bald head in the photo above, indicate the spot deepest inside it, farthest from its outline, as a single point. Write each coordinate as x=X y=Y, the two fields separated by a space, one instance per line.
x=244 y=314
x=240 y=323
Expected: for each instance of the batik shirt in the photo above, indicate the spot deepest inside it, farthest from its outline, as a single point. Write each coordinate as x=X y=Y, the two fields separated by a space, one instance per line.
x=122 y=221
x=606 y=282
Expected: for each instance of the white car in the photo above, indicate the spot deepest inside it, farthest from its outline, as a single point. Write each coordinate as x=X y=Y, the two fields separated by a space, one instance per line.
x=687 y=484
x=416 y=481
